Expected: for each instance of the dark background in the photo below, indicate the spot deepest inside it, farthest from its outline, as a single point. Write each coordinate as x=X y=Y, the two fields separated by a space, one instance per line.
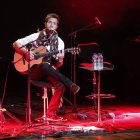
x=120 y=25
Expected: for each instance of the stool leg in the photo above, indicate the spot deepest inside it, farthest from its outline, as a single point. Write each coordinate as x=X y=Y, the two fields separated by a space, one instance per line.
x=45 y=104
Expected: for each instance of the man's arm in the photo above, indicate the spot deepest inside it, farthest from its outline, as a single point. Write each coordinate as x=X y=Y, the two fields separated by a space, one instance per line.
x=20 y=45
x=23 y=50
x=60 y=55
x=19 y=48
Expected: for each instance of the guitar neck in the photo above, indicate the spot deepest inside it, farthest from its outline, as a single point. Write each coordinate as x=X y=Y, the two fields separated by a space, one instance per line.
x=48 y=54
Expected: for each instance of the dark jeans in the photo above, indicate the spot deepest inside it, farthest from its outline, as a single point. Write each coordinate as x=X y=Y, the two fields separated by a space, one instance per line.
x=45 y=72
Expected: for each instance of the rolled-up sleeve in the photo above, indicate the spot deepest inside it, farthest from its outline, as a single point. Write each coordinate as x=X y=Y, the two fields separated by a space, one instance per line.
x=61 y=47
x=28 y=39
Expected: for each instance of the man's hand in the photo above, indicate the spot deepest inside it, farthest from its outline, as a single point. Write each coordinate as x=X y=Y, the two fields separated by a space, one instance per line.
x=30 y=56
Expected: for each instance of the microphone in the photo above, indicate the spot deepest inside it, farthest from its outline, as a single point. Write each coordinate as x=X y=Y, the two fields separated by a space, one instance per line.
x=53 y=30
x=98 y=21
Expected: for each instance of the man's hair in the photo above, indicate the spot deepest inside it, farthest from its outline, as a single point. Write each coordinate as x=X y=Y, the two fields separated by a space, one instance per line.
x=52 y=15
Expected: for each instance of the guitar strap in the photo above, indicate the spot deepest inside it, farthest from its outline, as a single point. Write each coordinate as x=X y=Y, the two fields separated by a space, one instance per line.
x=54 y=47
x=54 y=42
x=43 y=38
x=51 y=40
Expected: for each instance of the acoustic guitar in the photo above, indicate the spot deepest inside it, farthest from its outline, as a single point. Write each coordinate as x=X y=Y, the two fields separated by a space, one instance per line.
x=21 y=64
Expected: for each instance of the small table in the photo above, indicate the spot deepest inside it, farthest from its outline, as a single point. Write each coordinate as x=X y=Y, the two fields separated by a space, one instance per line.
x=89 y=67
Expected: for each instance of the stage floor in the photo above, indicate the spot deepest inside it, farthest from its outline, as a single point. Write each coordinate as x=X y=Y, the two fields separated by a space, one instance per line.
x=119 y=120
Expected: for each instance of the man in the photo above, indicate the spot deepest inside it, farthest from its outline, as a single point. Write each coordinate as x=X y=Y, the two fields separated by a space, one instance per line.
x=47 y=69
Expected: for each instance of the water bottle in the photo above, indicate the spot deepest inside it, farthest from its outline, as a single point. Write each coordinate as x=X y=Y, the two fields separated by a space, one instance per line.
x=94 y=61
x=100 y=61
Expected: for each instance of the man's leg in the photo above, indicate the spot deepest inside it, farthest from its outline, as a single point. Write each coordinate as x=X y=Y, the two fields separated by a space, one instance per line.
x=59 y=89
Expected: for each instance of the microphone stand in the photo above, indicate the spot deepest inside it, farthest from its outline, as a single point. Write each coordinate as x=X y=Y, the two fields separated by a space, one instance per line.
x=91 y=26
x=73 y=34
x=74 y=74
x=28 y=109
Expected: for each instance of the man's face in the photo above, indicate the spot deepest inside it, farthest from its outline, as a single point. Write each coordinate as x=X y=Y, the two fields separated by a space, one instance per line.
x=52 y=23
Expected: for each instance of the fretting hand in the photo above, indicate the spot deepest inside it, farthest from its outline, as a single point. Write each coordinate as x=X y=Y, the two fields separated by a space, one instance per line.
x=30 y=56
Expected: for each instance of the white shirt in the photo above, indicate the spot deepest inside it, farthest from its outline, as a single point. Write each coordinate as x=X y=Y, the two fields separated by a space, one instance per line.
x=33 y=37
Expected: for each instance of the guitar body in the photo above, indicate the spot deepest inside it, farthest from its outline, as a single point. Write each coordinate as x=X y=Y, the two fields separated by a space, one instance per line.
x=21 y=64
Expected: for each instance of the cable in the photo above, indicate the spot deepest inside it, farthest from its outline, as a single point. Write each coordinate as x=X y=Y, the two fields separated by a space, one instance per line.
x=5 y=83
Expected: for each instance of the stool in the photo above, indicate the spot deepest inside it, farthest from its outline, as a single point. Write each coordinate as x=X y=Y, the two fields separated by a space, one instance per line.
x=45 y=86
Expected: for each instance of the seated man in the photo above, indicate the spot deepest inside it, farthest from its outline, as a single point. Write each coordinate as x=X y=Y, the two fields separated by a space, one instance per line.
x=47 y=70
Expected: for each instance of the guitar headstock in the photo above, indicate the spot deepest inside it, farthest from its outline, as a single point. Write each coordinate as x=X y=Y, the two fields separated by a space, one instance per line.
x=74 y=51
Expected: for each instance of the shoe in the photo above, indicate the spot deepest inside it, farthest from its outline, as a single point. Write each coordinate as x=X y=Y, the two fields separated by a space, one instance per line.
x=61 y=111
x=74 y=88
x=54 y=118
